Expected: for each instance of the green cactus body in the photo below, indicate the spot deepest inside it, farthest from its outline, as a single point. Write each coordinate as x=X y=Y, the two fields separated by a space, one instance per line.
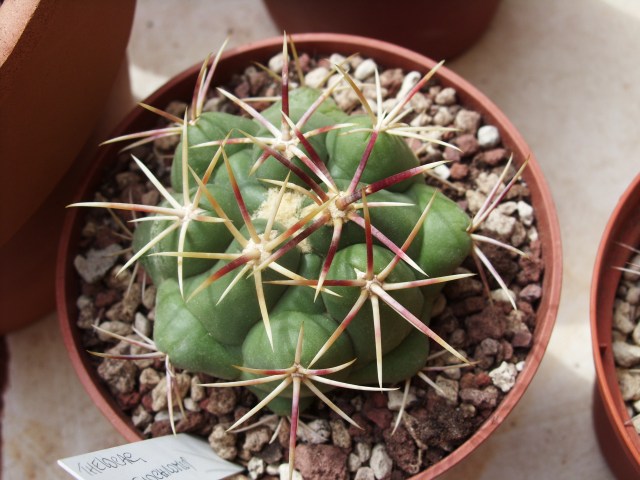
x=208 y=335
x=208 y=127
x=390 y=155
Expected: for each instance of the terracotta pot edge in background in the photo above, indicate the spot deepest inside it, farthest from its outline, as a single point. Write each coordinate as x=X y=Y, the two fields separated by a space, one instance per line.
x=437 y=29
x=45 y=129
x=618 y=440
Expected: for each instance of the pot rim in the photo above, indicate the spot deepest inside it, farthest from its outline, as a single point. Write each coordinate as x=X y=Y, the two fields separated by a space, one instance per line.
x=623 y=226
x=391 y=55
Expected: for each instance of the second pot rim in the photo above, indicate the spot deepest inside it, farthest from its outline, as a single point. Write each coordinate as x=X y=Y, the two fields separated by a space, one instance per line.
x=604 y=284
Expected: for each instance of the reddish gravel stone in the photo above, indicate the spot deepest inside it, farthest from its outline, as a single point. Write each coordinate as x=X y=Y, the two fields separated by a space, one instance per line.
x=321 y=462
x=403 y=450
x=452 y=155
x=382 y=417
x=106 y=298
x=531 y=292
x=458 y=171
x=467 y=143
x=493 y=157
x=486 y=398
x=194 y=422
x=489 y=323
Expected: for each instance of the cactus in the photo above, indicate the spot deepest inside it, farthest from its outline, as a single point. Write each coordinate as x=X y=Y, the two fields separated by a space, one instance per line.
x=299 y=245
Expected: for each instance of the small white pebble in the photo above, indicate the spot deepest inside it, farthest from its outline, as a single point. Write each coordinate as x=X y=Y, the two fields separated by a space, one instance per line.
x=141 y=418
x=336 y=59
x=499 y=295
x=363 y=450
x=353 y=462
x=276 y=63
x=365 y=69
x=447 y=388
x=486 y=181
x=149 y=377
x=283 y=470
x=636 y=423
x=388 y=104
x=114 y=327
x=355 y=60
x=97 y=263
x=410 y=80
x=622 y=317
x=488 y=136
x=163 y=416
x=371 y=92
x=346 y=99
x=255 y=467
x=467 y=121
x=315 y=432
x=475 y=200
x=443 y=117
x=142 y=324
x=525 y=212
x=633 y=275
x=629 y=384
x=380 y=461
x=420 y=120
x=334 y=80
x=635 y=335
x=365 y=473
x=625 y=354
x=419 y=102
x=196 y=391
x=190 y=405
x=507 y=208
x=214 y=104
x=501 y=225
x=442 y=171
x=446 y=96
x=395 y=399
x=315 y=78
x=83 y=301
x=633 y=295
x=504 y=377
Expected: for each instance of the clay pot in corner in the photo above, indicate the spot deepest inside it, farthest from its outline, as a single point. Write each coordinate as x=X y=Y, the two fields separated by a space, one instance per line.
x=59 y=60
x=180 y=87
x=618 y=439
x=440 y=30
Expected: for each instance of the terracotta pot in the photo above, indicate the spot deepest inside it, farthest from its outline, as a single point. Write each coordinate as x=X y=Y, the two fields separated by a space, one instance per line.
x=59 y=60
x=324 y=44
x=438 y=29
x=617 y=438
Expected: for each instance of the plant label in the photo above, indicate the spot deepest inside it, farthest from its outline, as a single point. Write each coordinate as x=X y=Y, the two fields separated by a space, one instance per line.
x=175 y=457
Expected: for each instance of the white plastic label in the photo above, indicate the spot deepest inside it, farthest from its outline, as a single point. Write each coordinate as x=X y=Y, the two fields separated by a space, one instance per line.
x=179 y=457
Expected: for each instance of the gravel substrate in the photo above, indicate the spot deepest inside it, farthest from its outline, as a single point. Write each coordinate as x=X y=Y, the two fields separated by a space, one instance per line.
x=436 y=421
x=626 y=339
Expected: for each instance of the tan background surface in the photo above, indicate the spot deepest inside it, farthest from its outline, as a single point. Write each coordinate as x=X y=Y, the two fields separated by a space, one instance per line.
x=567 y=74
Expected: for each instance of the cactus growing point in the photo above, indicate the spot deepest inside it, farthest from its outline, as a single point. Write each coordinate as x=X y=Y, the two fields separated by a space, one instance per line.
x=299 y=244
